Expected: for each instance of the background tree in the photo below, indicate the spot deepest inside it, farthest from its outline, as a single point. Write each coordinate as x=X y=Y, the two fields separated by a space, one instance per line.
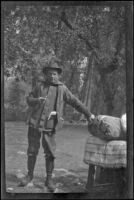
x=88 y=40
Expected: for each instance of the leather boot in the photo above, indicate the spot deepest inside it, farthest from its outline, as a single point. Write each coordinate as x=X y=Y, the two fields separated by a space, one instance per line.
x=27 y=180
x=49 y=169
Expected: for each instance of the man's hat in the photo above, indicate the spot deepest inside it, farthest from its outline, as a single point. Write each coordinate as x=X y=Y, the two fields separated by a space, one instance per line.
x=53 y=64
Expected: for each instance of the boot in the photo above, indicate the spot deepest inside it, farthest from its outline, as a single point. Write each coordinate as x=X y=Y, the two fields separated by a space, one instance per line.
x=49 y=183
x=27 y=180
x=49 y=169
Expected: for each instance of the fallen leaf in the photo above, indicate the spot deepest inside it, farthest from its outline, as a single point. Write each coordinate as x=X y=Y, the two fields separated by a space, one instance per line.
x=21 y=152
x=10 y=188
x=20 y=174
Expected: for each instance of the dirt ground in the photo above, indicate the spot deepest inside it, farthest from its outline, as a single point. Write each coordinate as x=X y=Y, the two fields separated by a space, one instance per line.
x=70 y=172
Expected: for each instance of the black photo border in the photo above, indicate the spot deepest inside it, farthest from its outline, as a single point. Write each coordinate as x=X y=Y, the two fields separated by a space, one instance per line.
x=129 y=94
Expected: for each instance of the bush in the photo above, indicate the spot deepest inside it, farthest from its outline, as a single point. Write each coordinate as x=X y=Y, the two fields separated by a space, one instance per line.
x=15 y=105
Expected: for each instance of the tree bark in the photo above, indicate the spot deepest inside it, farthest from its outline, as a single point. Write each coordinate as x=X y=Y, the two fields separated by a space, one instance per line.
x=89 y=82
x=108 y=95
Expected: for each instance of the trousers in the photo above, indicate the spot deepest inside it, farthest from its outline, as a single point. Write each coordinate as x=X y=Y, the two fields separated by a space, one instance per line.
x=48 y=143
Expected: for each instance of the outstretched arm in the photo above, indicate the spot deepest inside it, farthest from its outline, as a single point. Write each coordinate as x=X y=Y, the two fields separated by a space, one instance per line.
x=70 y=99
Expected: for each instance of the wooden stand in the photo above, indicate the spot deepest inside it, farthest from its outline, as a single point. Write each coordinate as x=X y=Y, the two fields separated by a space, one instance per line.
x=107 y=181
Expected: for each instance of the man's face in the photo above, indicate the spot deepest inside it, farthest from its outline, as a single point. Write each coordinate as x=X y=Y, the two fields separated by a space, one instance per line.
x=52 y=76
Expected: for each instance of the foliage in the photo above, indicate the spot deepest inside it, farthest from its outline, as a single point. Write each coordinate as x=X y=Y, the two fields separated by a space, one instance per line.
x=15 y=92
x=73 y=34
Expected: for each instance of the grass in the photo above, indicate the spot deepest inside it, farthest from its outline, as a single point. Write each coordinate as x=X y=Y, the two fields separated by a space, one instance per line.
x=70 y=172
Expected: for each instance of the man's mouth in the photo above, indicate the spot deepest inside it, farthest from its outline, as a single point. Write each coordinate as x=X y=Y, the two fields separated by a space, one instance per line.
x=52 y=80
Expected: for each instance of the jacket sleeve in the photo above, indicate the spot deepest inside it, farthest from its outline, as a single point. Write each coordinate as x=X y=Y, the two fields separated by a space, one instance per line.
x=70 y=99
x=32 y=98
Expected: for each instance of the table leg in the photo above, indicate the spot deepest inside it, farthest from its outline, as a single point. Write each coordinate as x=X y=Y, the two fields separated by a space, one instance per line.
x=90 y=179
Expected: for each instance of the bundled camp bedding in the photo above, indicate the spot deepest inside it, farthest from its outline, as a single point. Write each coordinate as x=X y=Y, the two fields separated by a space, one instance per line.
x=110 y=154
x=108 y=128
x=106 y=144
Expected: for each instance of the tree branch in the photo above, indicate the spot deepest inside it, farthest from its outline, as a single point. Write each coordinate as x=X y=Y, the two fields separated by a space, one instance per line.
x=80 y=36
x=63 y=18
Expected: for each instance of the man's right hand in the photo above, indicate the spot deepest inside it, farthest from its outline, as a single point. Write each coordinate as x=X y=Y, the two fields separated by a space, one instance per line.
x=41 y=99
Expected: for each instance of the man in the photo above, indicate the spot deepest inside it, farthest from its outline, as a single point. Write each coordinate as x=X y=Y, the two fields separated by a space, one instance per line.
x=46 y=102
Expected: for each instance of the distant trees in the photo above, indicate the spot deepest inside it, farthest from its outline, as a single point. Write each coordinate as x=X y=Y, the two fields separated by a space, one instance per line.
x=93 y=35
x=15 y=92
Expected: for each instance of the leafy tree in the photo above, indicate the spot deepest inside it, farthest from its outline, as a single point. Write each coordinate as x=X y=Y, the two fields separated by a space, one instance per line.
x=75 y=34
x=15 y=93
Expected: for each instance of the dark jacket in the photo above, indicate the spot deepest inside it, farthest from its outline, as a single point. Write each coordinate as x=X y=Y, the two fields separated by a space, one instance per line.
x=63 y=95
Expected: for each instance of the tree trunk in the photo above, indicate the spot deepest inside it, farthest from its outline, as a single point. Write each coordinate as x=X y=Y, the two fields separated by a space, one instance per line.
x=108 y=95
x=89 y=84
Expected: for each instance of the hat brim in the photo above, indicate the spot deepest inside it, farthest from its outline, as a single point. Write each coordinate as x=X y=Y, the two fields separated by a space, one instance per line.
x=59 y=70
